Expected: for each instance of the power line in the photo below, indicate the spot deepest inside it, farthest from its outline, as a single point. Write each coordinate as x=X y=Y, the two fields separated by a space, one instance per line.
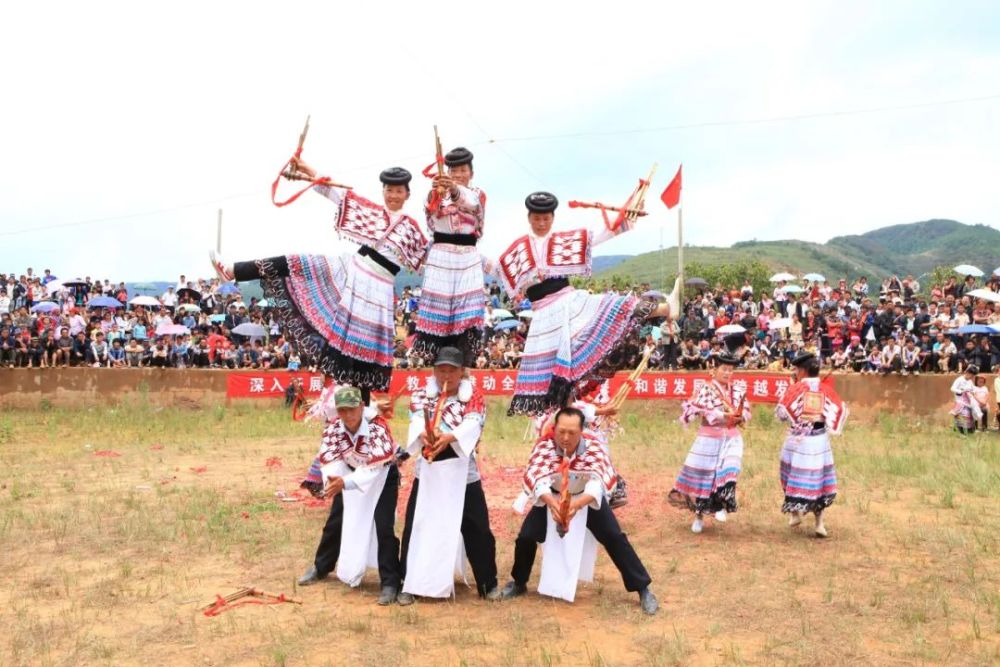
x=747 y=121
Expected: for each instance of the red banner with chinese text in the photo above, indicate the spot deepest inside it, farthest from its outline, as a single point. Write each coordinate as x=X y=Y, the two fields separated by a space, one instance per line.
x=760 y=387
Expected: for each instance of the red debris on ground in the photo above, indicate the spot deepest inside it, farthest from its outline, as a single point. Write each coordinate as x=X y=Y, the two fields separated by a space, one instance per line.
x=107 y=453
x=199 y=469
x=274 y=463
x=156 y=448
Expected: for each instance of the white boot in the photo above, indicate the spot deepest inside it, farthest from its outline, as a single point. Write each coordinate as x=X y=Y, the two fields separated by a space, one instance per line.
x=794 y=519
x=223 y=270
x=698 y=524
x=820 y=528
x=674 y=300
x=722 y=516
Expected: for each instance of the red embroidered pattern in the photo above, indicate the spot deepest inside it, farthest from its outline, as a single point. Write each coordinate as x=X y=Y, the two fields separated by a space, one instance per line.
x=377 y=447
x=366 y=222
x=569 y=250
x=545 y=461
x=454 y=411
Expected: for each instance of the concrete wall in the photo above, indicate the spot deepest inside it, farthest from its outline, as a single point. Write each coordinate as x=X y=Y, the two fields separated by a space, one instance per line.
x=72 y=387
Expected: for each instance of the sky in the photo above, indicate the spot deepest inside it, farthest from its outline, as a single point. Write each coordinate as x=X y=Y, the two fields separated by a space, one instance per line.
x=127 y=126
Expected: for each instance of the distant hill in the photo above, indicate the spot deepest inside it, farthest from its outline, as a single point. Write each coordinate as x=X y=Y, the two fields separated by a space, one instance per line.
x=915 y=248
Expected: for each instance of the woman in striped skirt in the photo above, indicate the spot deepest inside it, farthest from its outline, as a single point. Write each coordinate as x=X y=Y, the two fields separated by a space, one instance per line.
x=707 y=481
x=813 y=411
x=576 y=338
x=339 y=310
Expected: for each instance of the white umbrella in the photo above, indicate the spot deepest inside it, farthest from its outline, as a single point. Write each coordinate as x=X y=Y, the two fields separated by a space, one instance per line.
x=262 y=303
x=250 y=329
x=144 y=301
x=172 y=330
x=730 y=328
x=994 y=327
x=526 y=314
x=996 y=271
x=984 y=294
x=778 y=277
x=54 y=286
x=968 y=270
x=792 y=289
x=815 y=277
x=501 y=314
x=780 y=323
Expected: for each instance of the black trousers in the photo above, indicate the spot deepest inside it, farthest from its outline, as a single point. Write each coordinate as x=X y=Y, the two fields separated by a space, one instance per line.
x=385 y=523
x=480 y=545
x=603 y=524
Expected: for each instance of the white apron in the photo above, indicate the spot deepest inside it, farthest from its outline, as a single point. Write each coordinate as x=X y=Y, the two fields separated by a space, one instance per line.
x=568 y=559
x=359 y=542
x=437 y=550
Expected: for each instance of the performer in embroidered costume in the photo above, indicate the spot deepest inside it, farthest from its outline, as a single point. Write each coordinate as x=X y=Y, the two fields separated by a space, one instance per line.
x=339 y=310
x=814 y=411
x=575 y=337
x=567 y=478
x=447 y=507
x=359 y=471
x=966 y=410
x=452 y=302
x=707 y=481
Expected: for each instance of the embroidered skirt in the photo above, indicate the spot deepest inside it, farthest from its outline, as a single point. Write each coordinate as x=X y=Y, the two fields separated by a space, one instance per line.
x=338 y=310
x=452 y=304
x=575 y=338
x=808 y=476
x=707 y=481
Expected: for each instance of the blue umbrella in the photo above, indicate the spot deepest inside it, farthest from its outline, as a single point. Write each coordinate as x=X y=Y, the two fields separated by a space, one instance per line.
x=104 y=302
x=218 y=317
x=45 y=307
x=974 y=329
x=229 y=288
x=506 y=324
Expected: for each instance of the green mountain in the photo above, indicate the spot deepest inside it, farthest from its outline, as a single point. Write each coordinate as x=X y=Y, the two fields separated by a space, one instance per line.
x=915 y=249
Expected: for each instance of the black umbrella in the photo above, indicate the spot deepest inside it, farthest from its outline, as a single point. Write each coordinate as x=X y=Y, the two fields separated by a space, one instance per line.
x=76 y=282
x=187 y=292
x=695 y=282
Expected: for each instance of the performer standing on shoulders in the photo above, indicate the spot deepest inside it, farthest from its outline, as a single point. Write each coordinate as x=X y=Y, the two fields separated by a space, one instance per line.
x=575 y=337
x=339 y=310
x=357 y=460
x=567 y=478
x=707 y=481
x=447 y=506
x=814 y=411
x=452 y=303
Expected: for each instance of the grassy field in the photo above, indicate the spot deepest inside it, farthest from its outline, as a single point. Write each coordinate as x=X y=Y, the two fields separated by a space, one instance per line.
x=118 y=525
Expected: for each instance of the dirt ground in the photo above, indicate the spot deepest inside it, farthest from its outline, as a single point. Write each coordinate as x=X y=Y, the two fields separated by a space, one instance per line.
x=118 y=526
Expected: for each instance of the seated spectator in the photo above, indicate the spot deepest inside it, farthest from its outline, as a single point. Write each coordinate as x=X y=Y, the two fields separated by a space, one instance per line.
x=910 y=358
x=873 y=361
x=160 y=354
x=116 y=355
x=891 y=356
x=98 y=351
x=133 y=354
x=947 y=354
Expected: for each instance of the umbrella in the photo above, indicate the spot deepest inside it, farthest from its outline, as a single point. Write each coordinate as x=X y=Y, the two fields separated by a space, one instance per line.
x=144 y=287
x=654 y=294
x=189 y=306
x=996 y=271
x=192 y=294
x=218 y=317
x=104 y=302
x=730 y=328
x=54 y=286
x=76 y=282
x=777 y=277
x=968 y=270
x=229 y=288
x=237 y=304
x=172 y=330
x=250 y=329
x=506 y=324
x=263 y=303
x=780 y=323
x=984 y=294
x=144 y=301
x=697 y=282
x=815 y=277
x=45 y=307
x=994 y=329
x=974 y=329
x=501 y=314
x=792 y=289
x=526 y=314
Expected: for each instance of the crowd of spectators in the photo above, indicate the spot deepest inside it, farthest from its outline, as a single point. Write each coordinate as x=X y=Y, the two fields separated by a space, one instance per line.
x=45 y=323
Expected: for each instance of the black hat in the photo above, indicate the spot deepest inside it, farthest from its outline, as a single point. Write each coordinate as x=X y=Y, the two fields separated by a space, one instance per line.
x=458 y=156
x=541 y=202
x=727 y=359
x=449 y=356
x=972 y=369
x=395 y=176
x=735 y=341
x=803 y=359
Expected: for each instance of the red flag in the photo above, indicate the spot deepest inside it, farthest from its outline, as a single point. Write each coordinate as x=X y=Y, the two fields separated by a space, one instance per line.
x=672 y=195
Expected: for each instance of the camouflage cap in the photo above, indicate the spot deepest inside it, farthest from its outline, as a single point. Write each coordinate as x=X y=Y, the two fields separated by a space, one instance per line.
x=347 y=397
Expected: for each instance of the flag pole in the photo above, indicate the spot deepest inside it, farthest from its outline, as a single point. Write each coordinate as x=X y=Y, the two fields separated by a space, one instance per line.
x=680 y=249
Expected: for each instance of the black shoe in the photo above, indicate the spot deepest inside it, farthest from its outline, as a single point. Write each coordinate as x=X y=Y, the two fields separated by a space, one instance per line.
x=512 y=589
x=648 y=601
x=494 y=594
x=405 y=599
x=388 y=596
x=311 y=577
